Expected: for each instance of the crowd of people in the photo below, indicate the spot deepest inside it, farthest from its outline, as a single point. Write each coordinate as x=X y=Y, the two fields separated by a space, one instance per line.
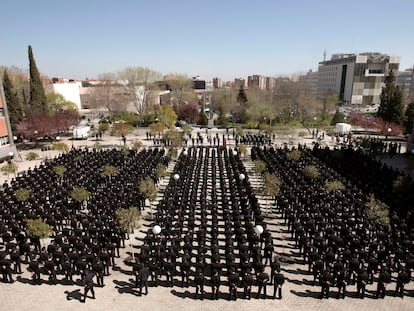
x=209 y=217
x=339 y=244
x=85 y=235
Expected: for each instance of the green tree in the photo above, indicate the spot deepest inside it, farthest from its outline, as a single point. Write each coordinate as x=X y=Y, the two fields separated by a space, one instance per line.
x=241 y=96
x=332 y=186
x=108 y=171
x=80 y=195
x=12 y=100
x=121 y=129
x=37 y=102
x=32 y=156
x=36 y=228
x=337 y=117
x=271 y=186
x=377 y=211
x=127 y=220
x=409 y=117
x=391 y=106
x=61 y=147
x=259 y=166
x=22 y=194
x=167 y=116
x=203 y=118
x=55 y=102
x=312 y=172
x=148 y=189
x=9 y=168
x=60 y=170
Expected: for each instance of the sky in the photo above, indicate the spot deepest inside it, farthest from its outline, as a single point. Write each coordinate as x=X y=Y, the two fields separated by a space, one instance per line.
x=78 y=39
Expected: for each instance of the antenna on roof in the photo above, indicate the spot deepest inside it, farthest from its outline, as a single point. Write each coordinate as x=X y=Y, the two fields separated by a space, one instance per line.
x=324 y=55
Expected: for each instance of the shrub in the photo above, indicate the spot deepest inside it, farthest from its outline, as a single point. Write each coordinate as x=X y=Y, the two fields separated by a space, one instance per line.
x=32 y=156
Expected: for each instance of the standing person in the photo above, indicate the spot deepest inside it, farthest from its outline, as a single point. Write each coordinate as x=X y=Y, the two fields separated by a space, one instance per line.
x=233 y=283
x=383 y=279
x=326 y=280
x=362 y=281
x=88 y=285
x=262 y=279
x=143 y=279
x=402 y=279
x=247 y=284
x=199 y=281
x=215 y=283
x=279 y=279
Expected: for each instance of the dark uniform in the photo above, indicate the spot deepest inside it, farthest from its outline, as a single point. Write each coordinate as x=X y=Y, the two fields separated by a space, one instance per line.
x=279 y=279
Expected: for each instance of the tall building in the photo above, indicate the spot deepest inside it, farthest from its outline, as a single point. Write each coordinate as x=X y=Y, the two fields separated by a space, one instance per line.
x=238 y=82
x=405 y=81
x=357 y=79
x=256 y=82
x=217 y=83
x=309 y=82
x=7 y=147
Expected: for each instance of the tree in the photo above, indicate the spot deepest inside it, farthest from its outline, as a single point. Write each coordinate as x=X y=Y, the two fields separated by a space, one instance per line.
x=241 y=96
x=181 y=89
x=127 y=219
x=187 y=112
x=148 y=189
x=22 y=194
x=108 y=94
x=138 y=84
x=108 y=171
x=337 y=118
x=36 y=228
x=60 y=170
x=332 y=186
x=56 y=101
x=37 y=100
x=121 y=129
x=391 y=105
x=377 y=211
x=32 y=156
x=167 y=116
x=61 y=147
x=13 y=105
x=259 y=167
x=271 y=186
x=409 y=117
x=203 y=118
x=9 y=168
x=311 y=171
x=80 y=195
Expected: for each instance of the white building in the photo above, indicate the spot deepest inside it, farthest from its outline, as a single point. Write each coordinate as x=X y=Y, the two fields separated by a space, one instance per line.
x=69 y=90
x=357 y=79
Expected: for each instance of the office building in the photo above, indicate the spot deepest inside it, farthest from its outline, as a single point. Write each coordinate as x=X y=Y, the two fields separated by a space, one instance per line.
x=356 y=79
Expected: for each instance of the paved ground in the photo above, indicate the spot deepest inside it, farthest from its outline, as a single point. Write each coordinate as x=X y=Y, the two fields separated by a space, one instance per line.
x=118 y=293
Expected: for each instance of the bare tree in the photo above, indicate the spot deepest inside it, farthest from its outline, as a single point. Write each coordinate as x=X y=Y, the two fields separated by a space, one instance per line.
x=108 y=94
x=138 y=84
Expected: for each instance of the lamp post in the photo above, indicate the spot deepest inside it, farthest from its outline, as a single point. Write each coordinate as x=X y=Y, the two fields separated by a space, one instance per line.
x=242 y=177
x=389 y=130
x=156 y=229
x=176 y=177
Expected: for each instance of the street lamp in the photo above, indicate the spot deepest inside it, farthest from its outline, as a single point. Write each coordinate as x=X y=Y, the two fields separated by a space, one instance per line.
x=242 y=177
x=185 y=152
x=156 y=229
x=176 y=177
x=258 y=229
x=234 y=152
x=389 y=130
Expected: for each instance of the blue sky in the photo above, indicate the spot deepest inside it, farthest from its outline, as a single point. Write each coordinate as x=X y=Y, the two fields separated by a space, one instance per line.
x=227 y=38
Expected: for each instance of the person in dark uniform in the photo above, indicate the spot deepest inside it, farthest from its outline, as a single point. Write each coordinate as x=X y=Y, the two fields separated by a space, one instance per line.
x=35 y=270
x=233 y=278
x=98 y=267
x=247 y=281
x=326 y=280
x=279 y=279
x=384 y=278
x=199 y=281
x=88 y=285
x=402 y=279
x=5 y=268
x=143 y=279
x=362 y=280
x=215 y=283
x=262 y=280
